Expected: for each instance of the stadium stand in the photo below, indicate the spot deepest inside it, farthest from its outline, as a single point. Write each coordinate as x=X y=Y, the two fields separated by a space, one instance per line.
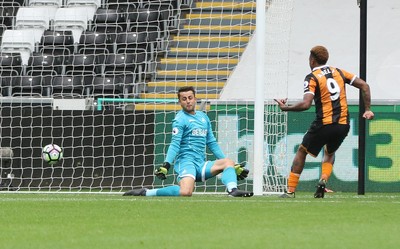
x=206 y=49
x=149 y=46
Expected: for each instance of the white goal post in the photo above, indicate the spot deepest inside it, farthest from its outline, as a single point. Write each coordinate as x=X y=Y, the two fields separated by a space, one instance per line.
x=106 y=92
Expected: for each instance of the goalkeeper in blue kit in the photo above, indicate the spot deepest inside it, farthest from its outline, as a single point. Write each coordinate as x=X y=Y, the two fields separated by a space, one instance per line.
x=191 y=134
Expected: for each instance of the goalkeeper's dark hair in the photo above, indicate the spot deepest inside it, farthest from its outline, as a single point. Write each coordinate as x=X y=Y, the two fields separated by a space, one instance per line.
x=320 y=54
x=186 y=89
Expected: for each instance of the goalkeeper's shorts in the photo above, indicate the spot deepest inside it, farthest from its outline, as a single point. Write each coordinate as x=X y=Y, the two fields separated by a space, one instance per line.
x=199 y=171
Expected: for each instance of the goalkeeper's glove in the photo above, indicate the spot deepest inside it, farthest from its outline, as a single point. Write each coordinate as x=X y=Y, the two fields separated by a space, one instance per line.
x=241 y=171
x=162 y=171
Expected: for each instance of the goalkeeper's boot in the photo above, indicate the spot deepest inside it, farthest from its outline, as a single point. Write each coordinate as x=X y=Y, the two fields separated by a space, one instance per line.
x=288 y=195
x=240 y=193
x=136 y=192
x=320 y=192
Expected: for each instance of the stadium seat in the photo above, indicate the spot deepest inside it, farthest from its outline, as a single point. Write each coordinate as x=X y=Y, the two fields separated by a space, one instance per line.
x=93 y=42
x=20 y=41
x=110 y=20
x=44 y=64
x=67 y=86
x=138 y=44
x=75 y=19
x=130 y=42
x=29 y=86
x=168 y=9
x=120 y=64
x=7 y=13
x=81 y=64
x=10 y=64
x=122 y=5
x=35 y=17
x=57 y=3
x=12 y=2
x=96 y=3
x=2 y=29
x=57 y=42
x=104 y=86
x=147 y=20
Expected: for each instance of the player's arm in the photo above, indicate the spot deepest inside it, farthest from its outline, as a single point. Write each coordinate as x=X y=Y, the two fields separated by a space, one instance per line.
x=173 y=150
x=366 y=95
x=303 y=105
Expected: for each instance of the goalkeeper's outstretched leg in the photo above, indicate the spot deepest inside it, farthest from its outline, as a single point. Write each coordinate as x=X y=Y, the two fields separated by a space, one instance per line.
x=188 y=175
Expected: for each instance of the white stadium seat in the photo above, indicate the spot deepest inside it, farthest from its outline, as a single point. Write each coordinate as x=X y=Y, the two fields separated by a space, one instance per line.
x=45 y=2
x=97 y=3
x=19 y=41
x=34 y=17
x=75 y=19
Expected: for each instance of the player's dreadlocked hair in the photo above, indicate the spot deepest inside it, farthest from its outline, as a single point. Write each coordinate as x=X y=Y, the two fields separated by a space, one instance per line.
x=320 y=54
x=186 y=89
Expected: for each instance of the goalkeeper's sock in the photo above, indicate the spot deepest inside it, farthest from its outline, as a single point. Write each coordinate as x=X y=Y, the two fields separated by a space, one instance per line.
x=166 y=191
x=229 y=178
x=326 y=170
x=293 y=181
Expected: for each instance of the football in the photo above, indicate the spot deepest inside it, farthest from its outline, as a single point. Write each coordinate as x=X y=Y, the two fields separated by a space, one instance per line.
x=52 y=153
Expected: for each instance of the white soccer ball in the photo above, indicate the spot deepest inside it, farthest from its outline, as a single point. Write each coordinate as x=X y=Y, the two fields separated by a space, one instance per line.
x=52 y=153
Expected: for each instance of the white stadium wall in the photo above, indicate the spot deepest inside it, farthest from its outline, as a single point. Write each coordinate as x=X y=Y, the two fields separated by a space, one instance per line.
x=336 y=25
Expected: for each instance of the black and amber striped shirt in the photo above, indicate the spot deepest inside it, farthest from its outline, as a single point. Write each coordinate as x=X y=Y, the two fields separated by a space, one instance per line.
x=328 y=85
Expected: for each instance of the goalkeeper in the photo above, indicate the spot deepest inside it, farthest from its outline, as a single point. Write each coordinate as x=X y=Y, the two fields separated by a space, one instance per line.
x=191 y=134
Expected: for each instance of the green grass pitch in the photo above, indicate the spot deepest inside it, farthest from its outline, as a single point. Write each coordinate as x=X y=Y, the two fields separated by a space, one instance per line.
x=99 y=221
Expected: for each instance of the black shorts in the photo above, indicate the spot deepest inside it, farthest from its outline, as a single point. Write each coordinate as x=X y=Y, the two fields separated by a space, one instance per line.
x=331 y=135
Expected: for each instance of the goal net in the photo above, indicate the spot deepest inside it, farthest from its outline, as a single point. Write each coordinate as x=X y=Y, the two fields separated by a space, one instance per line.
x=99 y=78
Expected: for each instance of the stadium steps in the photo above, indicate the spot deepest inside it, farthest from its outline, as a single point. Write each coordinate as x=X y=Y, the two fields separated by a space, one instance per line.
x=205 y=51
x=198 y=63
x=206 y=41
x=226 y=5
